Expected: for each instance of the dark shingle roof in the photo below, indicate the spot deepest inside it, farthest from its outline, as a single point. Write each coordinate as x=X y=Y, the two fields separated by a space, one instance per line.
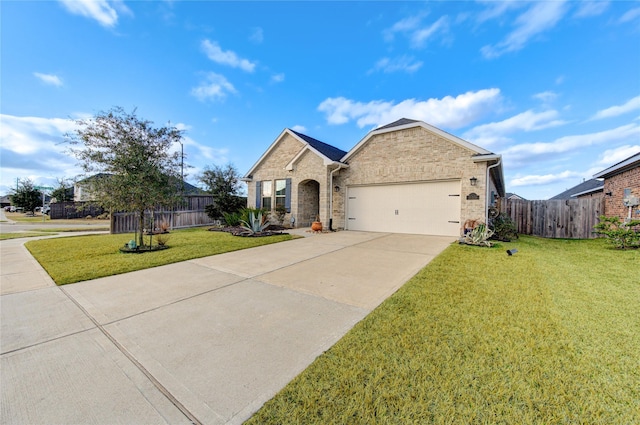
x=585 y=186
x=632 y=162
x=329 y=151
x=401 y=121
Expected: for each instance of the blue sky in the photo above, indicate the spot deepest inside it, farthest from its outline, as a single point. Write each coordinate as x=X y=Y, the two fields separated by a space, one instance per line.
x=552 y=86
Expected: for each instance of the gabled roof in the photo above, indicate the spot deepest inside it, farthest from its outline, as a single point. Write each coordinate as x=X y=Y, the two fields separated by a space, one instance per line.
x=329 y=154
x=510 y=195
x=327 y=150
x=583 y=188
x=400 y=122
x=632 y=162
x=405 y=123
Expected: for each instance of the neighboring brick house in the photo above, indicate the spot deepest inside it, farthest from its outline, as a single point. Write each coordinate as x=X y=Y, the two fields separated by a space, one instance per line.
x=591 y=188
x=404 y=177
x=621 y=188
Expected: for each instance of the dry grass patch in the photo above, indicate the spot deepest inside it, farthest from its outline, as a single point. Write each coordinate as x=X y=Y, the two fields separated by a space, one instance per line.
x=550 y=335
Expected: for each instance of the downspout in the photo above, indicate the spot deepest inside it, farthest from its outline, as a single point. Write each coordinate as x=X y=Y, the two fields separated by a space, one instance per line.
x=331 y=197
x=486 y=210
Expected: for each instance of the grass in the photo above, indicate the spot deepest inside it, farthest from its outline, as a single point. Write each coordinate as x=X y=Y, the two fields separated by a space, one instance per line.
x=22 y=218
x=18 y=235
x=548 y=336
x=76 y=258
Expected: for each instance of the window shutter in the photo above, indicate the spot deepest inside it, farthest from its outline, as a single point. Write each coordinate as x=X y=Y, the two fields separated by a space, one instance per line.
x=287 y=195
x=258 y=194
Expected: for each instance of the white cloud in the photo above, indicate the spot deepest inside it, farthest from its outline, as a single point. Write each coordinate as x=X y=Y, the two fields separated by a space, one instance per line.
x=538 y=180
x=540 y=17
x=257 y=35
x=631 y=105
x=630 y=15
x=404 y=25
x=496 y=9
x=591 y=8
x=32 y=148
x=528 y=152
x=402 y=63
x=277 y=78
x=492 y=133
x=215 y=53
x=215 y=87
x=422 y=35
x=299 y=128
x=613 y=156
x=413 y=29
x=102 y=11
x=546 y=96
x=451 y=112
x=49 y=79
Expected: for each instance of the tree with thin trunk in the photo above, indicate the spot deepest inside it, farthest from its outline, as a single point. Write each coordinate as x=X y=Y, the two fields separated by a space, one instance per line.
x=26 y=195
x=137 y=171
x=223 y=182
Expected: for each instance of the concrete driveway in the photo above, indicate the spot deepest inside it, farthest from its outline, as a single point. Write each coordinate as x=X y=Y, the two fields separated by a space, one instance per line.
x=204 y=341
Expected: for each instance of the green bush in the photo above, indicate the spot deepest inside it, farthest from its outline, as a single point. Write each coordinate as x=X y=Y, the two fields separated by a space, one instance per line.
x=622 y=235
x=232 y=219
x=504 y=229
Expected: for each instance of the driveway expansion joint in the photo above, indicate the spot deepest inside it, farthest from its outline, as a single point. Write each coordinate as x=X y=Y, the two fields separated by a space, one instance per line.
x=136 y=363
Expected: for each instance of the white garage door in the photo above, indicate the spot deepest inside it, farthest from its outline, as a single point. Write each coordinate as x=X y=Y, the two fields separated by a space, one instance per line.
x=420 y=208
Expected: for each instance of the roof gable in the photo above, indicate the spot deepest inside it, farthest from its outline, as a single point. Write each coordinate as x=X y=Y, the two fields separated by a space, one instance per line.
x=405 y=123
x=329 y=154
x=591 y=185
x=325 y=149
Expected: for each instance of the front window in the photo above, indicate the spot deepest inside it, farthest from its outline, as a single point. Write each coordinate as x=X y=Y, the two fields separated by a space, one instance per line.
x=281 y=193
x=266 y=194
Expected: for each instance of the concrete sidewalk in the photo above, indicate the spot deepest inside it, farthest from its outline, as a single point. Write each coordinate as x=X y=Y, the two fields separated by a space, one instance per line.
x=203 y=341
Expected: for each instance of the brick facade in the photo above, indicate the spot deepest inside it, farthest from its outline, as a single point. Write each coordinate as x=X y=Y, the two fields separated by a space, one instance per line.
x=613 y=204
x=308 y=199
x=417 y=155
x=405 y=155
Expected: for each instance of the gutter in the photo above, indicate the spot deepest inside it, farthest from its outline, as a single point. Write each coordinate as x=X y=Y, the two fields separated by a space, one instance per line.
x=486 y=213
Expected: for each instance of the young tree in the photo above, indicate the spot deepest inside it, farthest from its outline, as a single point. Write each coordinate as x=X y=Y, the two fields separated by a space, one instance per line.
x=142 y=173
x=26 y=196
x=63 y=192
x=223 y=182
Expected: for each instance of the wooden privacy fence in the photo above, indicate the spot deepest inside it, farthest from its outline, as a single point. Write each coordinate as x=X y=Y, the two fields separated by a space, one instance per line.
x=566 y=218
x=127 y=222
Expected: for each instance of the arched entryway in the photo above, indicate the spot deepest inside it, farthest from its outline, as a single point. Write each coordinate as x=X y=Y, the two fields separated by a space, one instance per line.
x=308 y=202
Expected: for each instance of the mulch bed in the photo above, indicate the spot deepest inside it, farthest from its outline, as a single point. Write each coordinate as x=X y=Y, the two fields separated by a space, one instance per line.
x=272 y=230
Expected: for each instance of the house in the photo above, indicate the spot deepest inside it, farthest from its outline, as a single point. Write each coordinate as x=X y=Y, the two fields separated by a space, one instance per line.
x=83 y=190
x=622 y=188
x=513 y=197
x=588 y=188
x=404 y=177
x=5 y=201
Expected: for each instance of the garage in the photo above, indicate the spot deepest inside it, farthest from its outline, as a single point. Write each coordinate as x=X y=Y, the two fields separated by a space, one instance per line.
x=428 y=208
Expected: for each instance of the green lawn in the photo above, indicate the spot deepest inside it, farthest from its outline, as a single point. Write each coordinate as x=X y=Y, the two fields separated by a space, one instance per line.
x=76 y=258
x=550 y=335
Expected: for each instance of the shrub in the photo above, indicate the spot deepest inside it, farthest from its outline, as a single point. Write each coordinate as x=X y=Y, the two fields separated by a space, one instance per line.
x=162 y=238
x=479 y=235
x=279 y=214
x=232 y=219
x=504 y=229
x=622 y=235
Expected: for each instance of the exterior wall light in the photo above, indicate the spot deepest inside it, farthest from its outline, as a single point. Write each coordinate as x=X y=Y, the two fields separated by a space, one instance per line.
x=336 y=188
x=473 y=181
